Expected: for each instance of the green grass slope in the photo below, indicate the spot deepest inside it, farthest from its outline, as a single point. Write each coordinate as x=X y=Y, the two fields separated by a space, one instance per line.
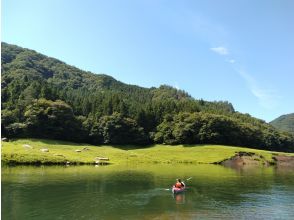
x=284 y=123
x=28 y=151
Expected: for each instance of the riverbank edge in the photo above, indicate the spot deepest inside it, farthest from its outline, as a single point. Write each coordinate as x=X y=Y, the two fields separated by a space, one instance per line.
x=252 y=159
x=30 y=152
x=235 y=161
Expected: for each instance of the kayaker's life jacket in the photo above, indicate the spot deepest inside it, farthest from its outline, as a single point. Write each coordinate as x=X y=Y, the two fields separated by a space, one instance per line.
x=178 y=185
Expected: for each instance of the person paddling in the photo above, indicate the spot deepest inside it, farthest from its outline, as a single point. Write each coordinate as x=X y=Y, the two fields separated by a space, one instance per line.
x=179 y=184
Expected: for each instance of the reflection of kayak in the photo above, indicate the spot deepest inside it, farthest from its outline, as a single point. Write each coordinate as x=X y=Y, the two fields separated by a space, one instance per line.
x=176 y=190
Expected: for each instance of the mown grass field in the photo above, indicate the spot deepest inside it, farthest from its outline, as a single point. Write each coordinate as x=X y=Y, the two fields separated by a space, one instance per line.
x=28 y=151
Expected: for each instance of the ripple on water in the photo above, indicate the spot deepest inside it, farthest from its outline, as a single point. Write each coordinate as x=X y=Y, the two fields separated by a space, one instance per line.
x=140 y=193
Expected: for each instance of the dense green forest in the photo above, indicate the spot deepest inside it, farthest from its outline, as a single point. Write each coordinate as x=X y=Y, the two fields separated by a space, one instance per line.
x=43 y=97
x=284 y=123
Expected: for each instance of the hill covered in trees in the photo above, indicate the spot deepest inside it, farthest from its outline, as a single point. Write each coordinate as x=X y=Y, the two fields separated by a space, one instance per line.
x=284 y=123
x=43 y=97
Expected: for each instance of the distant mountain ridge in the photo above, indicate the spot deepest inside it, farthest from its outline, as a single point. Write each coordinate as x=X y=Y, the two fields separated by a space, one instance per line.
x=284 y=123
x=43 y=97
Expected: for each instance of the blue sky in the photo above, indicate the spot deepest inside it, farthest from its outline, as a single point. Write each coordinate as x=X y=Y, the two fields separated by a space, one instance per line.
x=240 y=51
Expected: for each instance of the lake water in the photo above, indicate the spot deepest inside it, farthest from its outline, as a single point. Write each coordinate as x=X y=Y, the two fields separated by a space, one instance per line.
x=143 y=192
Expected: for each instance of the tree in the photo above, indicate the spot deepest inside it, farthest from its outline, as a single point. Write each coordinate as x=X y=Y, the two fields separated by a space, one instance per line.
x=165 y=114
x=116 y=129
x=52 y=119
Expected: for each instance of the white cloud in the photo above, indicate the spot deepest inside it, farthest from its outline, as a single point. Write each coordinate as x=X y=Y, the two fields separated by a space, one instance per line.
x=220 y=50
x=214 y=33
x=267 y=98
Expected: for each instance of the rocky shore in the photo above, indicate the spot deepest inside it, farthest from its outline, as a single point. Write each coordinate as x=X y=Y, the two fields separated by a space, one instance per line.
x=253 y=159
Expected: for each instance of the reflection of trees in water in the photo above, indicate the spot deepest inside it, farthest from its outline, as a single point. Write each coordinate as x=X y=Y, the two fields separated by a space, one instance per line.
x=119 y=194
x=127 y=181
x=235 y=189
x=229 y=192
x=284 y=175
x=94 y=192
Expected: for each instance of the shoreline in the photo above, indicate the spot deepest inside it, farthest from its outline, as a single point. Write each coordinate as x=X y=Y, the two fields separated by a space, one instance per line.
x=47 y=152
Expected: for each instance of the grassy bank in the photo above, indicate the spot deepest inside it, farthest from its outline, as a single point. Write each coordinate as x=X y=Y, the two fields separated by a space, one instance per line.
x=28 y=151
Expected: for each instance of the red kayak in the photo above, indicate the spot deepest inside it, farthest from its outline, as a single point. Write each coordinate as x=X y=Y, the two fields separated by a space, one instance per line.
x=176 y=190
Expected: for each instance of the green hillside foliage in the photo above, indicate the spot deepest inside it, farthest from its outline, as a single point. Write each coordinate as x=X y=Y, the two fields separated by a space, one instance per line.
x=284 y=123
x=43 y=97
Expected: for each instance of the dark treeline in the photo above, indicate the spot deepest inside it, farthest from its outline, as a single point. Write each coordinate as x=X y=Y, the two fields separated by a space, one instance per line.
x=45 y=98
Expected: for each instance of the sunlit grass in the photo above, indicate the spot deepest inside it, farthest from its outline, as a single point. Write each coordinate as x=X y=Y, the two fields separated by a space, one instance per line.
x=61 y=152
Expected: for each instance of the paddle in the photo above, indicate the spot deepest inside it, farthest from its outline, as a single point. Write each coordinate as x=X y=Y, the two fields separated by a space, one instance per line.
x=187 y=180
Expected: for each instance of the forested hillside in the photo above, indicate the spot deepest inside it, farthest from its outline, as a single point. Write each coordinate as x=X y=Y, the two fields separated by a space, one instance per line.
x=284 y=123
x=46 y=98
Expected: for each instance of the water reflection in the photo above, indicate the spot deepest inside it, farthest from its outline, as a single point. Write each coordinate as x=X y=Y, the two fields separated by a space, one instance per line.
x=179 y=198
x=132 y=192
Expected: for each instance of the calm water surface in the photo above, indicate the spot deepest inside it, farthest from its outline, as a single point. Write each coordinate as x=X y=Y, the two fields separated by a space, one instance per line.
x=143 y=192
